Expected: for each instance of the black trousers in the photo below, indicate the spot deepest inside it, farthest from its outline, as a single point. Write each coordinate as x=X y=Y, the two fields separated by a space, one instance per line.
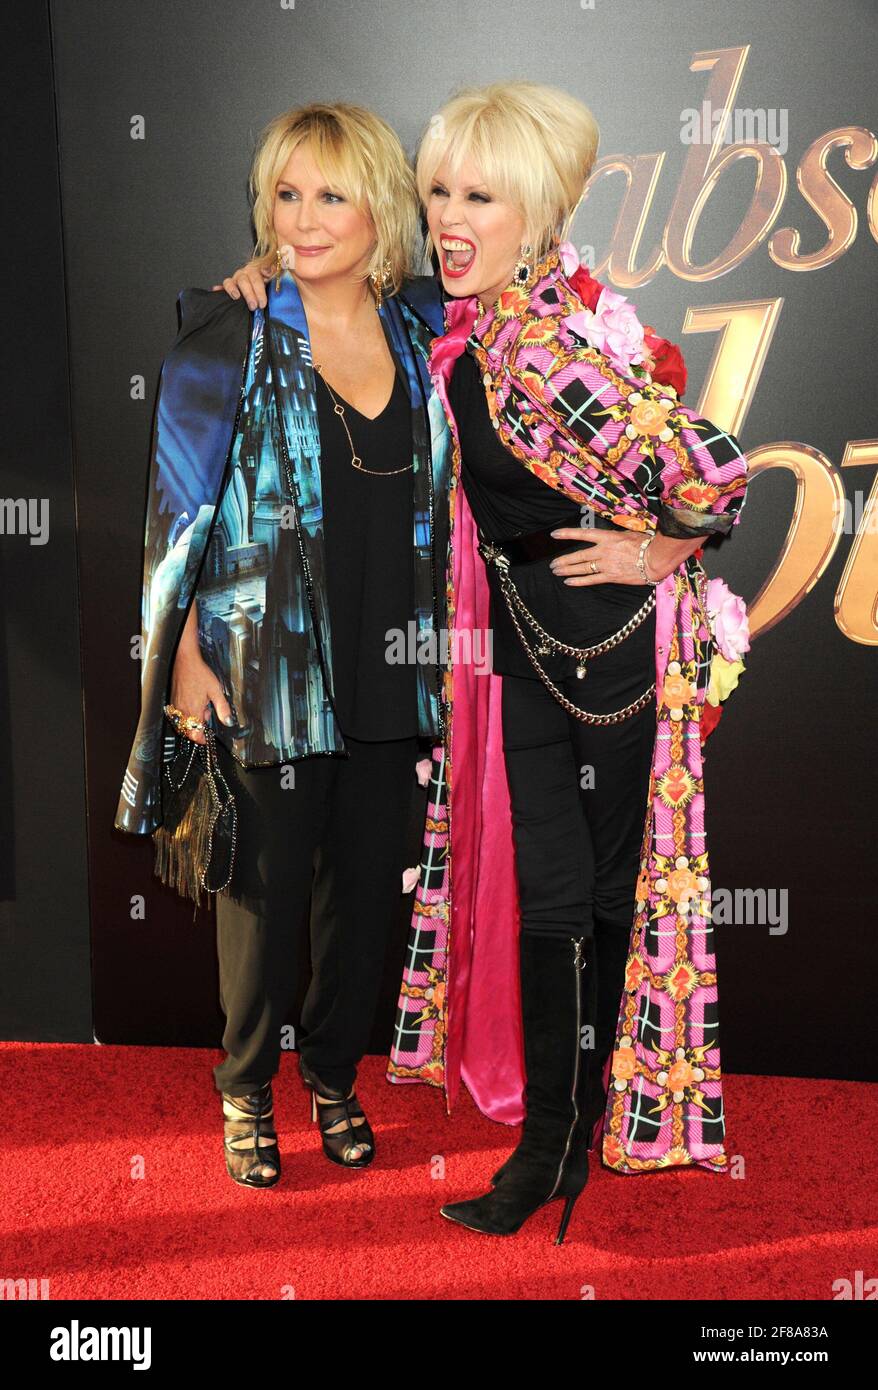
x=338 y=833
x=579 y=797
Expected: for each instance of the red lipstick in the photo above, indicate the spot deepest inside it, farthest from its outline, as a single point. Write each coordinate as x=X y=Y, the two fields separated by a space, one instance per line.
x=449 y=245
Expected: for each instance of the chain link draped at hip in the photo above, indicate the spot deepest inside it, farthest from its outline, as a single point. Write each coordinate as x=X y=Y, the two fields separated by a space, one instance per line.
x=493 y=553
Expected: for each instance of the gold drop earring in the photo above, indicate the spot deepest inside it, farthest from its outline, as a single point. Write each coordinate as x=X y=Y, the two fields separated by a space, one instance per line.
x=381 y=282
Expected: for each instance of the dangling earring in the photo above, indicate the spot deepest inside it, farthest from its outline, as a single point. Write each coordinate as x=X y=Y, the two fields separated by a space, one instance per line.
x=381 y=282
x=523 y=268
x=279 y=267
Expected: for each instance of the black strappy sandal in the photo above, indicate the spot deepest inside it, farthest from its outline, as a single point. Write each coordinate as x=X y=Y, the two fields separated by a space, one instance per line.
x=339 y=1146
x=254 y=1123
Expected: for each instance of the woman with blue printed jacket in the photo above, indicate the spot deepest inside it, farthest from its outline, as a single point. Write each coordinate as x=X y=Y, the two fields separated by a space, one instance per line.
x=296 y=526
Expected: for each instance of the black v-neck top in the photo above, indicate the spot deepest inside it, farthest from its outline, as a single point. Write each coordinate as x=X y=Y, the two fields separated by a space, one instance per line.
x=507 y=500
x=368 y=534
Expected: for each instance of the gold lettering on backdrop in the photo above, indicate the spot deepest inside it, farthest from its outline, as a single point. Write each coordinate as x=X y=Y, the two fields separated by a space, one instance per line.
x=814 y=530
x=746 y=329
x=703 y=167
x=821 y=508
x=641 y=173
x=856 y=599
x=831 y=203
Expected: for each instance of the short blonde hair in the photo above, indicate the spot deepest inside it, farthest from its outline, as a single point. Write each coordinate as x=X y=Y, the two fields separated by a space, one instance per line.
x=361 y=155
x=534 y=145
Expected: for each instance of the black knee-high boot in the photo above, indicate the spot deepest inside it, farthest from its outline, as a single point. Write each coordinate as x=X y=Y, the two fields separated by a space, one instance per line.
x=551 y=1161
x=590 y=1094
x=593 y=1091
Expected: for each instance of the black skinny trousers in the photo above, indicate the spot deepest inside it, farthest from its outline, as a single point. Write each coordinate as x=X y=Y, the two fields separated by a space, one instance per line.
x=579 y=796
x=337 y=834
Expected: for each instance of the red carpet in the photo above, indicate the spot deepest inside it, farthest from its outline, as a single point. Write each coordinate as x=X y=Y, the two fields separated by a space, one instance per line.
x=79 y=1121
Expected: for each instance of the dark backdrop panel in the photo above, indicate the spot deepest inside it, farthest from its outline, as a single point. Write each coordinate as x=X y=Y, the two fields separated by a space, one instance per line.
x=45 y=988
x=789 y=770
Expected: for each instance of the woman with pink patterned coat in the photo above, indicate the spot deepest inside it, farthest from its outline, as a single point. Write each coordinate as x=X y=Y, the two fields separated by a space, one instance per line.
x=561 y=960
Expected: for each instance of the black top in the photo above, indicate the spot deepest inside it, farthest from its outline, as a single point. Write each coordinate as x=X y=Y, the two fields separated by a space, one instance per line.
x=505 y=497
x=368 y=534
x=507 y=500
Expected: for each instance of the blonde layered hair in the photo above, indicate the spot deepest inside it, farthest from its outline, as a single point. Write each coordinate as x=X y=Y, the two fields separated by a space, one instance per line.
x=534 y=145
x=360 y=155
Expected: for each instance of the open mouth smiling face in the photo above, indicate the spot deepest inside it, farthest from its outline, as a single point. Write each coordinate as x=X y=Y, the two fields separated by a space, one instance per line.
x=458 y=255
x=476 y=229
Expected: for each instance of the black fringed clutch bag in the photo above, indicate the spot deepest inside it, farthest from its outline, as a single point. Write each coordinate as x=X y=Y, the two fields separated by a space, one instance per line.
x=195 y=844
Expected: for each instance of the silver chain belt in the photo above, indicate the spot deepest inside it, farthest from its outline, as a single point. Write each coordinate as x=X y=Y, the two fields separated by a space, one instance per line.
x=494 y=554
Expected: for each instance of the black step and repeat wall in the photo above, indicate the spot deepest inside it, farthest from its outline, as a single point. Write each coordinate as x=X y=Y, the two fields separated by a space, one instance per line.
x=750 y=240
x=45 y=974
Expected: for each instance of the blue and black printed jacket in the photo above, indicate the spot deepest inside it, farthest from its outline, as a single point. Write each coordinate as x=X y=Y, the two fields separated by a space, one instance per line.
x=235 y=423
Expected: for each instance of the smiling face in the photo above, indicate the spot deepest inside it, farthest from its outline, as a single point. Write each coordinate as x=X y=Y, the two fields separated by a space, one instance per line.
x=320 y=234
x=477 y=234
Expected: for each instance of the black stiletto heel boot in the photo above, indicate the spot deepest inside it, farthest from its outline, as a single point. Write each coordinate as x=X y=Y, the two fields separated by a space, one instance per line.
x=589 y=1126
x=551 y=1162
x=592 y=1098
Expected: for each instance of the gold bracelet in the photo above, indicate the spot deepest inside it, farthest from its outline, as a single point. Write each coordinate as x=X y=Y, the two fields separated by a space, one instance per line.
x=641 y=566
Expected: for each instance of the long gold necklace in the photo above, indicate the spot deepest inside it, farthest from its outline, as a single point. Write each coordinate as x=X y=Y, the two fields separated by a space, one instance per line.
x=356 y=461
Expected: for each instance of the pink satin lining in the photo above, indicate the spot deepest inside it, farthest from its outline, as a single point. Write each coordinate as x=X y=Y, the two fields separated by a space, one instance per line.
x=485 y=1046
